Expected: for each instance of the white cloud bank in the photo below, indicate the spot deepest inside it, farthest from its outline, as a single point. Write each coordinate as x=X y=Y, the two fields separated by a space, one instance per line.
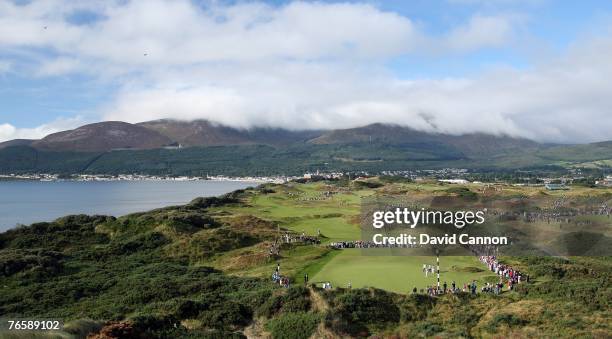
x=565 y=100
x=309 y=65
x=9 y=132
x=5 y=66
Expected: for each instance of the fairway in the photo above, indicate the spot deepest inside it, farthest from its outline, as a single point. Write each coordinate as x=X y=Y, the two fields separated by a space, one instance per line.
x=398 y=273
x=332 y=229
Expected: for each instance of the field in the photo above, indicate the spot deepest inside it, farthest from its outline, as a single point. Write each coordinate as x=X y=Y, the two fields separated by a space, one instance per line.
x=311 y=208
x=204 y=270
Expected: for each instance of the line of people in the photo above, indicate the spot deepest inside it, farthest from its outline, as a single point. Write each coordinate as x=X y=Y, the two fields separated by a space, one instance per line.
x=512 y=275
x=432 y=290
x=280 y=279
x=275 y=249
x=505 y=272
x=365 y=244
x=303 y=238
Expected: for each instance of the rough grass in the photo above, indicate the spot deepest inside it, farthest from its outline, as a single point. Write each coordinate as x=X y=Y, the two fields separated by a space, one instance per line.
x=150 y=269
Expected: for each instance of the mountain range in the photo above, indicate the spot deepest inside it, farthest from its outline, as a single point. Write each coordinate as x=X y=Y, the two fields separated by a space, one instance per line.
x=116 y=135
x=164 y=145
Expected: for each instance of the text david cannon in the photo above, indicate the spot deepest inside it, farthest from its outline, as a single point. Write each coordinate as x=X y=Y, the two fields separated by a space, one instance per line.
x=426 y=239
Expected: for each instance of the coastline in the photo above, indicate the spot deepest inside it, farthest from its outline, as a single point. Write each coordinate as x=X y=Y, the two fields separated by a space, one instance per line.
x=135 y=177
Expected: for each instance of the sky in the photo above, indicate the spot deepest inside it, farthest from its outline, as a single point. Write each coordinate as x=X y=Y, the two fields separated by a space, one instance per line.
x=537 y=69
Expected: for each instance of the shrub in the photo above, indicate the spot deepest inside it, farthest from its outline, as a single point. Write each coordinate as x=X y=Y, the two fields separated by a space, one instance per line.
x=153 y=323
x=298 y=325
x=395 y=179
x=44 y=262
x=82 y=327
x=295 y=299
x=193 y=219
x=141 y=242
x=221 y=240
x=355 y=310
x=429 y=329
x=463 y=192
x=360 y=184
x=504 y=318
x=226 y=314
x=215 y=201
x=415 y=307
x=187 y=309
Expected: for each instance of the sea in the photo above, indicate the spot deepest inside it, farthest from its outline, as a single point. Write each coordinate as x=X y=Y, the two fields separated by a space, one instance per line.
x=27 y=202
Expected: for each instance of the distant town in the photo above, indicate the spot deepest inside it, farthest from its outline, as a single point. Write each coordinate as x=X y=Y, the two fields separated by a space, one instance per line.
x=446 y=175
x=134 y=177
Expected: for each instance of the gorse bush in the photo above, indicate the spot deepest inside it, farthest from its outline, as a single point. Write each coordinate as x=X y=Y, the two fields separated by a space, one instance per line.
x=299 y=325
x=360 y=184
x=295 y=299
x=45 y=263
x=415 y=307
x=73 y=231
x=81 y=273
x=226 y=314
x=82 y=327
x=463 y=192
x=354 y=312
x=504 y=319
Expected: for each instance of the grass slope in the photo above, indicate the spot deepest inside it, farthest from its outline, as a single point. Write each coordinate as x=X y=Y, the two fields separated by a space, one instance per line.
x=202 y=270
x=295 y=159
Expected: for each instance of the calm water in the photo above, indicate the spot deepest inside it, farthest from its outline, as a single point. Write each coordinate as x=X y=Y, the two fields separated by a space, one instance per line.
x=26 y=202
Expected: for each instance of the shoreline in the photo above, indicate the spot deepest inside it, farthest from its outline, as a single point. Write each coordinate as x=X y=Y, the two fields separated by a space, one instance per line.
x=131 y=177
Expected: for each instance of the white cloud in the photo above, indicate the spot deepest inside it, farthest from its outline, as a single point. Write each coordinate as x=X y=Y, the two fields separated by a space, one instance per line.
x=9 y=132
x=178 y=32
x=58 y=66
x=308 y=65
x=5 y=66
x=499 y=2
x=483 y=31
x=142 y=34
x=566 y=99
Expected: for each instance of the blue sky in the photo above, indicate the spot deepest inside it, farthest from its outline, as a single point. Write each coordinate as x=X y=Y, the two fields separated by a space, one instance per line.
x=453 y=66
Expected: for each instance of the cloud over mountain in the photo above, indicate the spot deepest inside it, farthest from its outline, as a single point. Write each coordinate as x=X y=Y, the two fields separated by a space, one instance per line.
x=305 y=65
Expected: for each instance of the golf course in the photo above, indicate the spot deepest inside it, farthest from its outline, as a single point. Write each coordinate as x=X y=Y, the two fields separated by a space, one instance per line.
x=235 y=266
x=331 y=212
x=399 y=273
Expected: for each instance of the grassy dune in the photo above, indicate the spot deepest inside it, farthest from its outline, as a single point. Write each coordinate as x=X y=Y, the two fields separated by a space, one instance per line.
x=203 y=270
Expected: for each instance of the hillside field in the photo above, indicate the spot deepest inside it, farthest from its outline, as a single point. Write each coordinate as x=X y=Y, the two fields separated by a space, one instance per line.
x=204 y=270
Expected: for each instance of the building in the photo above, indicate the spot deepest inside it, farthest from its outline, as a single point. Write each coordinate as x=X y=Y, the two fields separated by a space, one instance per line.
x=173 y=146
x=454 y=181
x=556 y=187
x=606 y=182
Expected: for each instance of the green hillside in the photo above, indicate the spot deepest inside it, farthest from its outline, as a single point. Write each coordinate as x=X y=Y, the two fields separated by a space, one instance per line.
x=203 y=270
x=292 y=159
x=206 y=148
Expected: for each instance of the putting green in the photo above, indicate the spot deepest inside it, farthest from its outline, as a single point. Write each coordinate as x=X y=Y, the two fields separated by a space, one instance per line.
x=398 y=273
